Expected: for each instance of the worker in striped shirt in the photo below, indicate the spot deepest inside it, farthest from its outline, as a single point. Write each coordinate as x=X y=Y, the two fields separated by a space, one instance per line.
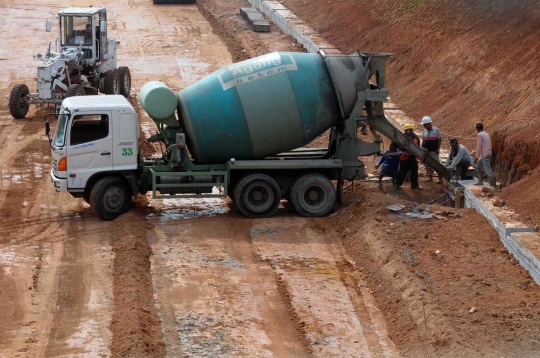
x=483 y=156
x=431 y=141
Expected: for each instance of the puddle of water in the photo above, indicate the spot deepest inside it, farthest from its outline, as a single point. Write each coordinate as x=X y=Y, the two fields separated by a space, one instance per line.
x=192 y=71
x=145 y=126
x=9 y=259
x=88 y=335
x=38 y=171
x=188 y=208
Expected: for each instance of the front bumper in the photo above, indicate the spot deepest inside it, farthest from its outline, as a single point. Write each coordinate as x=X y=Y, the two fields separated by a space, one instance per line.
x=59 y=184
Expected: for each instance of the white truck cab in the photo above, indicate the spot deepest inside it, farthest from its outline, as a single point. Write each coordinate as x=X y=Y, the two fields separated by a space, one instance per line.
x=95 y=136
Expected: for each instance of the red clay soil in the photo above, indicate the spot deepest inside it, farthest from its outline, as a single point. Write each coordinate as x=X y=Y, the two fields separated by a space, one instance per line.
x=524 y=197
x=136 y=329
x=458 y=61
x=242 y=42
x=427 y=275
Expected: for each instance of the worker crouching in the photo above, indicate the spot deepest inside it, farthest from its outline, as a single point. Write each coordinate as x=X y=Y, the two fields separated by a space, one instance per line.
x=390 y=164
x=459 y=159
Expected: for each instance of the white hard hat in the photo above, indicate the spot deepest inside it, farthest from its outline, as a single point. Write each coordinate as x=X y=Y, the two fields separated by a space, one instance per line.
x=426 y=120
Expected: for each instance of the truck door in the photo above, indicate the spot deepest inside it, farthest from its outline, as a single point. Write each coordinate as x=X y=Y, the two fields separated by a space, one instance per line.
x=125 y=141
x=90 y=147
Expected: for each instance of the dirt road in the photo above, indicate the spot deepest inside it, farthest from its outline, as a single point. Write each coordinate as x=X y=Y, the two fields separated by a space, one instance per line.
x=168 y=279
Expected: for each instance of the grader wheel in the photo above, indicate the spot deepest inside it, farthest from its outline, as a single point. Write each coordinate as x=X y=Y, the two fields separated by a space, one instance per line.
x=18 y=104
x=125 y=81
x=112 y=82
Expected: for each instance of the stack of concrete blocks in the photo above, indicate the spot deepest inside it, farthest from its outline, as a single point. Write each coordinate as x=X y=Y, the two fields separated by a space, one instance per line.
x=522 y=242
x=293 y=26
x=255 y=19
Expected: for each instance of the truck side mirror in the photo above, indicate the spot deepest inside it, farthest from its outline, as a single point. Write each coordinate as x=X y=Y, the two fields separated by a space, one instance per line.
x=103 y=26
x=47 y=128
x=48 y=25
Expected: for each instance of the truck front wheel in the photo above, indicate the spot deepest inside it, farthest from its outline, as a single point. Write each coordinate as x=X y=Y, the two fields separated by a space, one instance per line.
x=257 y=195
x=313 y=195
x=110 y=197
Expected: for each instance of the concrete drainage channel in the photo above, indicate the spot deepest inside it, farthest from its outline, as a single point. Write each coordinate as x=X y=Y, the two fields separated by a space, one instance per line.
x=521 y=241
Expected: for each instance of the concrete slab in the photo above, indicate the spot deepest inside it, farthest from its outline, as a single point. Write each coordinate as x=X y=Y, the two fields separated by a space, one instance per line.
x=245 y=10
x=528 y=246
x=261 y=26
x=521 y=241
x=255 y=19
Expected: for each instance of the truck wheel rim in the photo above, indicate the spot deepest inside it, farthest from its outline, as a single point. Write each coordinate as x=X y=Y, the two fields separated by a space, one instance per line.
x=314 y=197
x=259 y=198
x=113 y=199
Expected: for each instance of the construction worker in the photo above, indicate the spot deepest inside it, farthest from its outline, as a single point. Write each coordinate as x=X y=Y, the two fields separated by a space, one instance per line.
x=431 y=141
x=483 y=156
x=407 y=162
x=459 y=159
x=390 y=164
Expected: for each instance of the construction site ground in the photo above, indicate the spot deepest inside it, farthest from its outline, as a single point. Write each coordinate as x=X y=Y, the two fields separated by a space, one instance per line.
x=194 y=278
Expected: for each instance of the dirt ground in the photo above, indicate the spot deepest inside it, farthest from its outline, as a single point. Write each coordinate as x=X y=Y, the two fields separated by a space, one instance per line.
x=194 y=278
x=427 y=276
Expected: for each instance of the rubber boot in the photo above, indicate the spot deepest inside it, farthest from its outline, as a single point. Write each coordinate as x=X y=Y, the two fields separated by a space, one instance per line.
x=493 y=182
x=480 y=177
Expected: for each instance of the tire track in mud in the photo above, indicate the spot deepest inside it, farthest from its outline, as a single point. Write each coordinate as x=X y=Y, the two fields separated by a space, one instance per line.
x=136 y=329
x=322 y=289
x=72 y=291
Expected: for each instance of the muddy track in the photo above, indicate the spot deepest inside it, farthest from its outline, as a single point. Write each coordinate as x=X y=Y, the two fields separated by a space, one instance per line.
x=135 y=327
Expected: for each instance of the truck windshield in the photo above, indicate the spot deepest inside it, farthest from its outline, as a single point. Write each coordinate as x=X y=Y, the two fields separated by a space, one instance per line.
x=60 y=135
x=76 y=29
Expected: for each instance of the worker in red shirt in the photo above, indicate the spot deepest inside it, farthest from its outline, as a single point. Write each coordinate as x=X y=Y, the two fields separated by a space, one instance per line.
x=407 y=161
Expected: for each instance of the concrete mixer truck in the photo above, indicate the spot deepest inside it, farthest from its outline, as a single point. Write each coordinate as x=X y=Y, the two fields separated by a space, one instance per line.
x=240 y=132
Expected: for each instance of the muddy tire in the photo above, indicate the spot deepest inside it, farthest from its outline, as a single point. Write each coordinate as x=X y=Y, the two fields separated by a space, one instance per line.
x=112 y=82
x=313 y=195
x=110 y=197
x=18 y=105
x=125 y=81
x=257 y=195
x=75 y=90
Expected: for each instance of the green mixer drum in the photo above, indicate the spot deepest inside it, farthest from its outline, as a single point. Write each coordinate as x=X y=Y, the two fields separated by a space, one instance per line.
x=258 y=108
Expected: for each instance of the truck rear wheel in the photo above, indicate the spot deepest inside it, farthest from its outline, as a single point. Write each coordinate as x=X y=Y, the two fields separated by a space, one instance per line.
x=112 y=82
x=110 y=198
x=75 y=90
x=257 y=195
x=125 y=81
x=18 y=104
x=313 y=195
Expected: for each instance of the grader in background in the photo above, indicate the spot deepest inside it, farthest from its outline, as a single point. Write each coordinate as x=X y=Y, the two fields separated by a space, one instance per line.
x=84 y=63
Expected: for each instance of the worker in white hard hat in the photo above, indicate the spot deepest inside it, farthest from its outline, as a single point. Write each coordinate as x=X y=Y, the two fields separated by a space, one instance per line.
x=431 y=141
